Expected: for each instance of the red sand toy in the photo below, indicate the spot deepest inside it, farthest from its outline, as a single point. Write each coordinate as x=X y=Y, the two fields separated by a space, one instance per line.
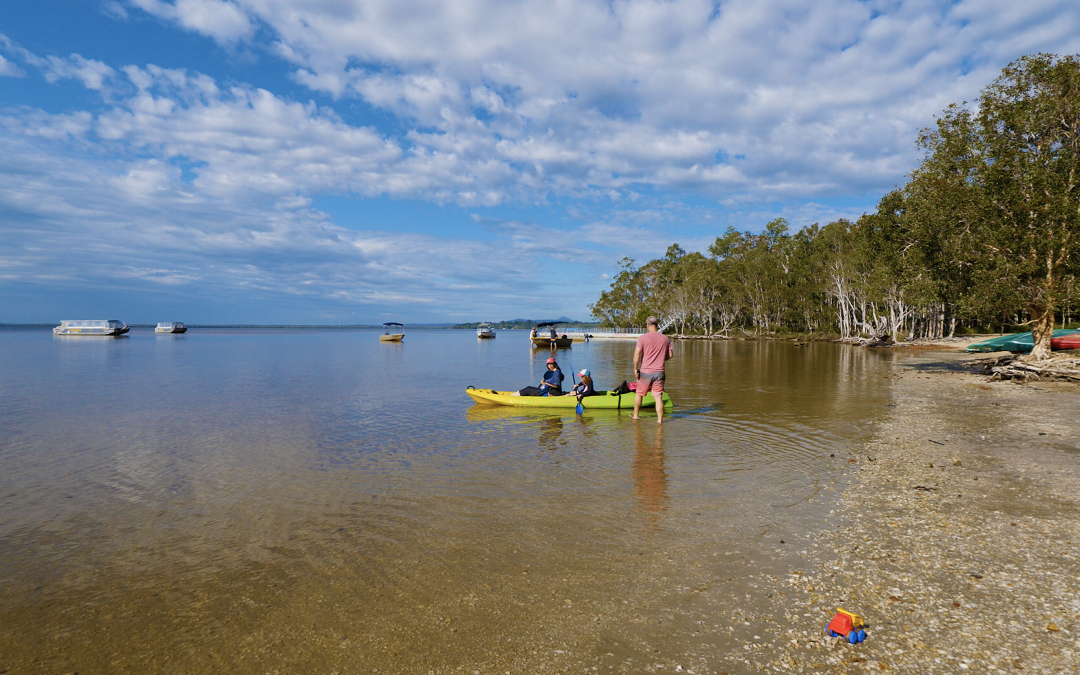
x=847 y=625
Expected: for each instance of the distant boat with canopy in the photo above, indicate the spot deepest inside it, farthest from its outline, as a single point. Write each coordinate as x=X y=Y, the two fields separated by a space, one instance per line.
x=170 y=327
x=485 y=331
x=108 y=327
x=557 y=342
x=395 y=332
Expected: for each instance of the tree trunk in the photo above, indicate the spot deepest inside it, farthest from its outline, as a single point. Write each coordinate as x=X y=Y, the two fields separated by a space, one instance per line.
x=1042 y=329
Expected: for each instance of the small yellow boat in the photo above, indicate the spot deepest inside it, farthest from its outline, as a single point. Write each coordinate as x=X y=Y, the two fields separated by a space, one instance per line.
x=395 y=332
x=606 y=401
x=552 y=340
x=557 y=343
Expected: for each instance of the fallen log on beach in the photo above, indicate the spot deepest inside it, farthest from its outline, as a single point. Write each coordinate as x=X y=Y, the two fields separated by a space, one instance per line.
x=1059 y=367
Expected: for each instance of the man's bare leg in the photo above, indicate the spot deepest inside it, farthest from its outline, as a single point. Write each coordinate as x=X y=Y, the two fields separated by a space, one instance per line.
x=659 y=407
x=637 y=407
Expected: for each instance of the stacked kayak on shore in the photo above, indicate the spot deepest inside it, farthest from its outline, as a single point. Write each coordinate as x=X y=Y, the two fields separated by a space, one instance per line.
x=606 y=401
x=1024 y=342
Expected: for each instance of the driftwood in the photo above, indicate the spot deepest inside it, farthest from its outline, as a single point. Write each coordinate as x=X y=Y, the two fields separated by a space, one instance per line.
x=880 y=341
x=1058 y=367
x=714 y=336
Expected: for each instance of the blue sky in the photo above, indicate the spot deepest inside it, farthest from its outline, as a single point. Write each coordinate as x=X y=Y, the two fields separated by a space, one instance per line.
x=348 y=161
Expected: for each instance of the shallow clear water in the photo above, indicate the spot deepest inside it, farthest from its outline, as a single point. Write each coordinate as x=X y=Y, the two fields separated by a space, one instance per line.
x=241 y=499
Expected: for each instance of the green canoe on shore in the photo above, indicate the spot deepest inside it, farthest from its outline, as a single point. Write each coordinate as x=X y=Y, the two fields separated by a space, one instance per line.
x=1014 y=342
x=605 y=401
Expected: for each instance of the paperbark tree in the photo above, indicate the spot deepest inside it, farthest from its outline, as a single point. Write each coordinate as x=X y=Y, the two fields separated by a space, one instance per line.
x=1029 y=120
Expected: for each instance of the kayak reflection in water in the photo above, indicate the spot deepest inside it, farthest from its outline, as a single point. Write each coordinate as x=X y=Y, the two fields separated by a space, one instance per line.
x=551 y=385
x=585 y=387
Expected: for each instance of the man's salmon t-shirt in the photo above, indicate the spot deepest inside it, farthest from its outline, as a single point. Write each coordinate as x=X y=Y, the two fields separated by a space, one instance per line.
x=655 y=347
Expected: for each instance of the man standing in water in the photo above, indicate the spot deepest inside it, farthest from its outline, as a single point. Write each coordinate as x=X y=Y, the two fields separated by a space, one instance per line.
x=653 y=349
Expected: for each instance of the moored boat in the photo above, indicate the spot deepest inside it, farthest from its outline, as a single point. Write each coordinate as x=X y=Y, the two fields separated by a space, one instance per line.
x=605 y=401
x=485 y=331
x=558 y=343
x=170 y=327
x=552 y=340
x=395 y=332
x=110 y=327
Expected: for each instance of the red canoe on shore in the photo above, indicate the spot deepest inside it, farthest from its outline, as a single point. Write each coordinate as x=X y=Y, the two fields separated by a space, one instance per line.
x=1066 y=342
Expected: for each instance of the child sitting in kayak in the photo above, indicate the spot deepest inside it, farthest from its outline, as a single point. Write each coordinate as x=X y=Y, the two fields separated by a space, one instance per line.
x=551 y=385
x=585 y=387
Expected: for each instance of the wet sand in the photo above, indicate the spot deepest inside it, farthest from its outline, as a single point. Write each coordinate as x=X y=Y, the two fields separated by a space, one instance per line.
x=957 y=539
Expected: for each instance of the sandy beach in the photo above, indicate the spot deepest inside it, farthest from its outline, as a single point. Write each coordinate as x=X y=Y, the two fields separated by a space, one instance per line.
x=957 y=538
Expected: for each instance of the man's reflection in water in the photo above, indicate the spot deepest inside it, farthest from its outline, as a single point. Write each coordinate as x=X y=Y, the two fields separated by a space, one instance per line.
x=650 y=479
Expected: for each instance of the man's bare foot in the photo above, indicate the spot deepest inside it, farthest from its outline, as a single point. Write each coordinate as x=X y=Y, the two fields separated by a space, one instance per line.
x=634 y=417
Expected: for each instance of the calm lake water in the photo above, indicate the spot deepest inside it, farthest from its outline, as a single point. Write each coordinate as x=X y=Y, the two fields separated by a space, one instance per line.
x=253 y=501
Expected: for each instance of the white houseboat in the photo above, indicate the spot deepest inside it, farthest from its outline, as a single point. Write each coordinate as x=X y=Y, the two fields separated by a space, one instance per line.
x=91 y=327
x=170 y=327
x=485 y=331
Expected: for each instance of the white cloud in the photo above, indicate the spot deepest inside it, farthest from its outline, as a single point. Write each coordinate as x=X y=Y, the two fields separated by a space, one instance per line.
x=114 y=9
x=222 y=20
x=9 y=69
x=90 y=72
x=585 y=96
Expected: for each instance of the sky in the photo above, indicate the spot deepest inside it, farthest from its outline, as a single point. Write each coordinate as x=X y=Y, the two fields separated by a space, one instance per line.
x=361 y=161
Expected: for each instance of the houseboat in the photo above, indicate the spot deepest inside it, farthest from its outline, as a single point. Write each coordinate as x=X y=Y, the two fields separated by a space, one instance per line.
x=91 y=327
x=170 y=327
x=485 y=331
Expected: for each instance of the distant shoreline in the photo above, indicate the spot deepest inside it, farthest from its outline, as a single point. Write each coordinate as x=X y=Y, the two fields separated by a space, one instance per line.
x=959 y=343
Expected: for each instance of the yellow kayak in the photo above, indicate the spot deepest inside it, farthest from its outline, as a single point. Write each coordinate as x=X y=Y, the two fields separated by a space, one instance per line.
x=606 y=401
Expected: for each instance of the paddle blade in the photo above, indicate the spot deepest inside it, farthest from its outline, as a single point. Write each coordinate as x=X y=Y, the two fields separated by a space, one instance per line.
x=579 y=408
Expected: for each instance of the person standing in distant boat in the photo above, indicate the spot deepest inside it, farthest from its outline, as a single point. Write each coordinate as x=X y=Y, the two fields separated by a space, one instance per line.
x=652 y=352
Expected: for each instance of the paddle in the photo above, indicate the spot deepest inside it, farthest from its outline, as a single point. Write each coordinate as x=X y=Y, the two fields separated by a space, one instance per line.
x=579 y=409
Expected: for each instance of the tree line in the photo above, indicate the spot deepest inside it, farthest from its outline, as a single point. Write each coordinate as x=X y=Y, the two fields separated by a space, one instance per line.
x=984 y=235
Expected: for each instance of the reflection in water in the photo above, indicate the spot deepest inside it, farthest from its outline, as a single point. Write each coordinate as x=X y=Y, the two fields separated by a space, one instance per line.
x=650 y=478
x=551 y=429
